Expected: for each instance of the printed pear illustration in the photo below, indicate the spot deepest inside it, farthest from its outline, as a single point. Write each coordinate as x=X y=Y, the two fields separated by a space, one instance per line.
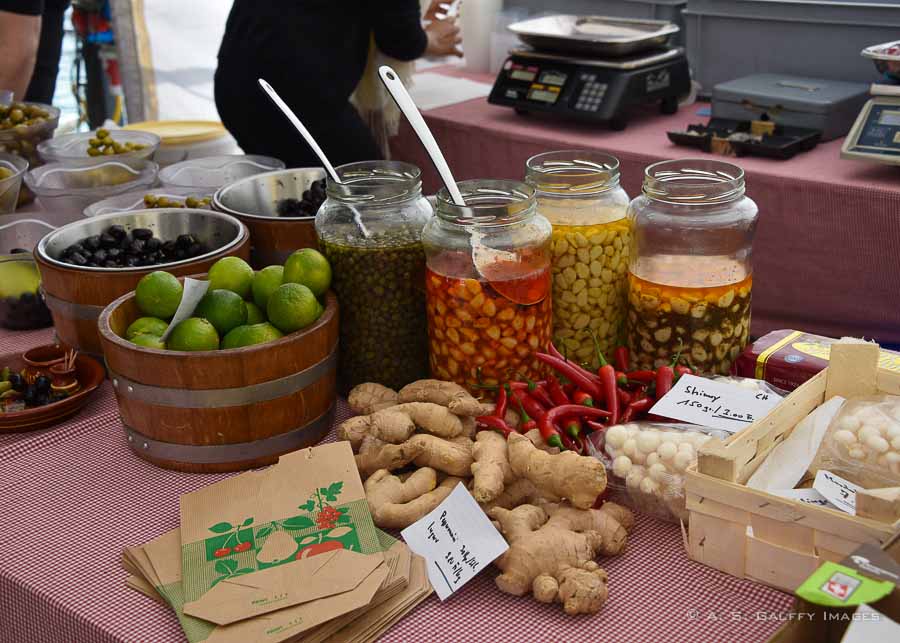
x=278 y=546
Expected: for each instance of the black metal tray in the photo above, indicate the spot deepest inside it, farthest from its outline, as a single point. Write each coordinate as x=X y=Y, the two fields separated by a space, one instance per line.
x=784 y=143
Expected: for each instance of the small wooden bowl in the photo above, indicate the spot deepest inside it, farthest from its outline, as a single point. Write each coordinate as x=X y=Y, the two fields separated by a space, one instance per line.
x=90 y=375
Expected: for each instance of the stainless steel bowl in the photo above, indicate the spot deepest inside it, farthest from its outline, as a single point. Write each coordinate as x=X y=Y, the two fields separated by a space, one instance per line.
x=217 y=230
x=258 y=196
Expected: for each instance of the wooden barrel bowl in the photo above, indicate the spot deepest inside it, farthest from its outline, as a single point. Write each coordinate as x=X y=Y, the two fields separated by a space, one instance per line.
x=254 y=201
x=76 y=296
x=226 y=410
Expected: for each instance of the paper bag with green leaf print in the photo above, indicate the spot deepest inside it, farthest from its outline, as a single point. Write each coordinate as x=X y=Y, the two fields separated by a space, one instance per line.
x=262 y=541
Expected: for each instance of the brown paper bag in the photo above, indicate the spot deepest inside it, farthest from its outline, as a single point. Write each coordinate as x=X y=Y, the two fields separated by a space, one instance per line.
x=297 y=532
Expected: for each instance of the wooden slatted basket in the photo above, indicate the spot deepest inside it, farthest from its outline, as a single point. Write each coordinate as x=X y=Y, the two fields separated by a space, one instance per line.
x=786 y=540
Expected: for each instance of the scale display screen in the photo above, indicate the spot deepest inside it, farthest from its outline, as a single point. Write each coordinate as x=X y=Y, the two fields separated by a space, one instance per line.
x=522 y=74
x=891 y=118
x=553 y=78
x=543 y=96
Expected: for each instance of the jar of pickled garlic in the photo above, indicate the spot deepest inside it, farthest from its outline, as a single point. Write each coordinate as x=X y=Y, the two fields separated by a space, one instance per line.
x=579 y=193
x=689 y=275
x=487 y=284
x=370 y=229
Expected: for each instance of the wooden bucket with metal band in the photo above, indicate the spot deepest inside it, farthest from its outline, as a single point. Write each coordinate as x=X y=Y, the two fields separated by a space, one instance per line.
x=226 y=410
x=77 y=295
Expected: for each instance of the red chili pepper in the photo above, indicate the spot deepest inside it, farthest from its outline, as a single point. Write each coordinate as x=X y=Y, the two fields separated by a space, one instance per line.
x=582 y=398
x=682 y=370
x=640 y=406
x=624 y=398
x=530 y=424
x=556 y=392
x=600 y=357
x=664 y=378
x=573 y=427
x=569 y=390
x=530 y=406
x=495 y=423
x=548 y=426
x=502 y=402
x=620 y=356
x=552 y=350
x=621 y=378
x=610 y=391
x=573 y=444
x=644 y=377
x=596 y=426
x=542 y=396
x=572 y=372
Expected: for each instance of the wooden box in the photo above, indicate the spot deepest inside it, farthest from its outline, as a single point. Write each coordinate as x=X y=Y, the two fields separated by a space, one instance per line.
x=786 y=540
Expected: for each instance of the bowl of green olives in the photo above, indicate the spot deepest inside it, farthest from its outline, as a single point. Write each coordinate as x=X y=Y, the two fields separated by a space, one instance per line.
x=90 y=148
x=22 y=128
x=197 y=199
x=12 y=170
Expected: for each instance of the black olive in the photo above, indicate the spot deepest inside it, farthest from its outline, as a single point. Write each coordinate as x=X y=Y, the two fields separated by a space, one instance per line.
x=100 y=255
x=28 y=298
x=194 y=250
x=124 y=243
x=185 y=240
x=116 y=231
x=107 y=240
x=75 y=247
x=112 y=253
x=41 y=399
x=92 y=264
x=29 y=394
x=152 y=244
x=141 y=233
x=42 y=384
x=92 y=242
x=168 y=247
x=130 y=261
x=110 y=263
x=17 y=251
x=136 y=247
x=16 y=381
x=78 y=259
x=180 y=253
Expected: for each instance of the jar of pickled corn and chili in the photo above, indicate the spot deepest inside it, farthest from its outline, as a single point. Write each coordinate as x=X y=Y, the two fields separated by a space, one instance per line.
x=579 y=193
x=487 y=284
x=690 y=276
x=370 y=229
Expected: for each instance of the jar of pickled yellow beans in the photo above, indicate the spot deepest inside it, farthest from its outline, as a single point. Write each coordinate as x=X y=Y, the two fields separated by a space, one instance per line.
x=689 y=276
x=487 y=284
x=579 y=193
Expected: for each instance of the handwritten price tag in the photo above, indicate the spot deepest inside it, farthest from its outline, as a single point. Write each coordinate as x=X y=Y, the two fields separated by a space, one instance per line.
x=839 y=492
x=456 y=539
x=718 y=405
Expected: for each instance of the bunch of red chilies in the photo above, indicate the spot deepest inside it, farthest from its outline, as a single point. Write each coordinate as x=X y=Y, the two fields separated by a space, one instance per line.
x=574 y=401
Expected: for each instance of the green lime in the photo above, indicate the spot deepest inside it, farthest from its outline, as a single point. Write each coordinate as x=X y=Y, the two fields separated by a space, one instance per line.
x=251 y=334
x=255 y=314
x=158 y=294
x=146 y=326
x=194 y=334
x=265 y=282
x=223 y=309
x=231 y=273
x=149 y=341
x=292 y=307
x=310 y=268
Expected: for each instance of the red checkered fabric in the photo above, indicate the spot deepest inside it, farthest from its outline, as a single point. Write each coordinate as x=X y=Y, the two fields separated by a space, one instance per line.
x=72 y=497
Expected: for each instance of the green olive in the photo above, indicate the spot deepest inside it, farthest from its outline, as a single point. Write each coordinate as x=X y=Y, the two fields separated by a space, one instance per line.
x=102 y=133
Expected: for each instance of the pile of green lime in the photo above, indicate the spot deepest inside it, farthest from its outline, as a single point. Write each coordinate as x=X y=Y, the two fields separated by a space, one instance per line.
x=240 y=308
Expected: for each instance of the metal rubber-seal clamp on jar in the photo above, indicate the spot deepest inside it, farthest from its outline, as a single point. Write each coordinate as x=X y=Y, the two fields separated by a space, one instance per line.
x=690 y=274
x=579 y=192
x=487 y=284
x=370 y=230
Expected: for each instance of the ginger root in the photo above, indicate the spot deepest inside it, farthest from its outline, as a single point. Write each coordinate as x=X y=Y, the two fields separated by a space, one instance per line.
x=581 y=590
x=387 y=425
x=396 y=503
x=448 y=394
x=579 y=479
x=519 y=492
x=370 y=397
x=454 y=458
x=490 y=468
x=433 y=418
x=375 y=454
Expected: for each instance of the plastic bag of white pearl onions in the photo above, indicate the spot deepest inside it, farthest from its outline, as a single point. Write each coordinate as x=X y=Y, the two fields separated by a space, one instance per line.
x=646 y=461
x=862 y=443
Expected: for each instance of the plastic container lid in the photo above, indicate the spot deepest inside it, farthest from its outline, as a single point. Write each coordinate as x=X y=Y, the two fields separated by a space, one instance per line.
x=182 y=132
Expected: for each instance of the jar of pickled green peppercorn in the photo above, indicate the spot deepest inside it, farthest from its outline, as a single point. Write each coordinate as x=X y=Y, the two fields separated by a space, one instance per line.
x=370 y=228
x=579 y=192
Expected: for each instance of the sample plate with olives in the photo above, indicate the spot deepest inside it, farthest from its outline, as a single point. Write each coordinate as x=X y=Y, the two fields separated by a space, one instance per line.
x=44 y=409
x=150 y=199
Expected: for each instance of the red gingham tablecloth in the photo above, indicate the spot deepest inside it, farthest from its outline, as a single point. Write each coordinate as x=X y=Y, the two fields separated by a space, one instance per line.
x=72 y=497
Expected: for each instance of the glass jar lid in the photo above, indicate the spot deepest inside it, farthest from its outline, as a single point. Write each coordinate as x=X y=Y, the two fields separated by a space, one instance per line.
x=489 y=202
x=572 y=172
x=375 y=183
x=693 y=182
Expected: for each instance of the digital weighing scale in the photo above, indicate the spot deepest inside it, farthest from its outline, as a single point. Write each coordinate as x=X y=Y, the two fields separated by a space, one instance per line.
x=592 y=68
x=875 y=136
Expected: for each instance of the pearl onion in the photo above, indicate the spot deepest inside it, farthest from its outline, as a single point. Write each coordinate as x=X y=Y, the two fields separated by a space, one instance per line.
x=670 y=436
x=667 y=450
x=616 y=436
x=647 y=441
x=857 y=453
x=629 y=447
x=657 y=472
x=621 y=466
x=867 y=413
x=892 y=457
x=687 y=448
x=634 y=478
x=648 y=486
x=849 y=423
x=683 y=460
x=895 y=444
x=877 y=444
x=632 y=429
x=893 y=431
x=844 y=437
x=652 y=458
x=639 y=457
x=867 y=432
x=882 y=460
x=895 y=412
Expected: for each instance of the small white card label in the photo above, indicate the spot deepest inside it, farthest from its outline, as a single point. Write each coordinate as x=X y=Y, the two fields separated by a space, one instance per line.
x=194 y=290
x=808 y=496
x=839 y=492
x=456 y=539
x=718 y=405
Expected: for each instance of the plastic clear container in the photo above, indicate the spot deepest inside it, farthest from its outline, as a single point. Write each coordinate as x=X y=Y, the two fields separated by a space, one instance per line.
x=370 y=229
x=9 y=186
x=135 y=200
x=213 y=172
x=63 y=188
x=72 y=148
x=22 y=140
x=690 y=273
x=579 y=193
x=22 y=305
x=487 y=284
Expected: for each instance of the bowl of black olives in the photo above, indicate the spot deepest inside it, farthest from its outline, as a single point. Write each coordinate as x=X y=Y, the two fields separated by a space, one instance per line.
x=22 y=305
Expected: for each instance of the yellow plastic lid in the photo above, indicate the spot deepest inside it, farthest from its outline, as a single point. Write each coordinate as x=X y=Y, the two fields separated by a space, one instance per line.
x=181 y=132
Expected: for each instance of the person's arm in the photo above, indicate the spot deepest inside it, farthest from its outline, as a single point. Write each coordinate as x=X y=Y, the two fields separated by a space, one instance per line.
x=20 y=34
x=397 y=25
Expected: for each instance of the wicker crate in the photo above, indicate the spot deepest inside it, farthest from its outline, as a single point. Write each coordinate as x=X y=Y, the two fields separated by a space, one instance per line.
x=788 y=539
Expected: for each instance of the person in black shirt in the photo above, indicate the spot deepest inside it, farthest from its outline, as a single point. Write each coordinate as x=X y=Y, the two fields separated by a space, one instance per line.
x=31 y=33
x=313 y=52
